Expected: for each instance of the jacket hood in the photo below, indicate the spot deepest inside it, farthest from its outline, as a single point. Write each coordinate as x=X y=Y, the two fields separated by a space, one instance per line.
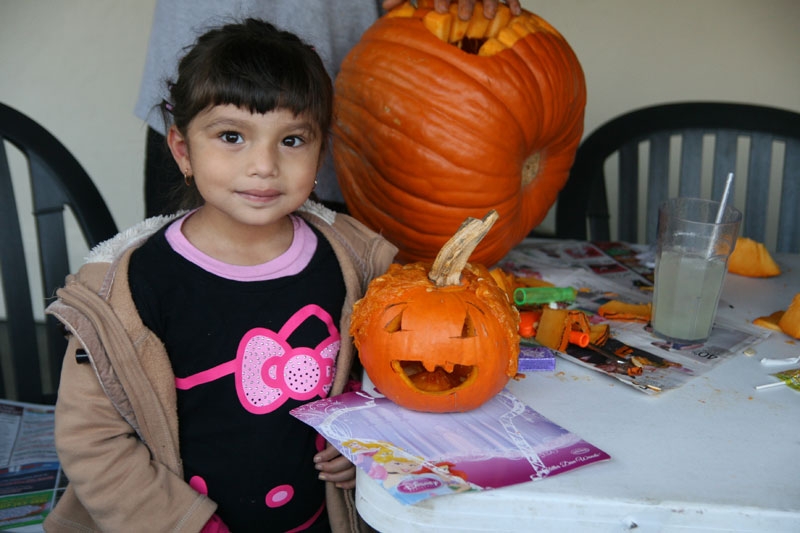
x=106 y=251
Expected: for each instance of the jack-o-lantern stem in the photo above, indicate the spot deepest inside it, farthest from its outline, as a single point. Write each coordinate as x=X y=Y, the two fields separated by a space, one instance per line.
x=453 y=256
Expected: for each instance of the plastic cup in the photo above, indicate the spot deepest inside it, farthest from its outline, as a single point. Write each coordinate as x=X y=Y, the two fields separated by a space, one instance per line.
x=691 y=262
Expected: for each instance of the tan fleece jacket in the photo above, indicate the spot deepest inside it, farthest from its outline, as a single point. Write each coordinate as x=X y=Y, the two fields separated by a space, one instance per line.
x=116 y=415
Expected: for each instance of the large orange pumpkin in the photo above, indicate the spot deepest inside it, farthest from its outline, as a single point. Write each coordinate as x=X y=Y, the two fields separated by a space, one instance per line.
x=437 y=120
x=438 y=338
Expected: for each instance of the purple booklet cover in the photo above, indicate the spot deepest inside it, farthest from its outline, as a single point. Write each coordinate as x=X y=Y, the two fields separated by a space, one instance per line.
x=416 y=455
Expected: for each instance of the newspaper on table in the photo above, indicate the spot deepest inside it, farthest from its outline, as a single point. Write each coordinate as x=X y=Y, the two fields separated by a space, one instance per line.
x=619 y=271
x=415 y=456
x=31 y=480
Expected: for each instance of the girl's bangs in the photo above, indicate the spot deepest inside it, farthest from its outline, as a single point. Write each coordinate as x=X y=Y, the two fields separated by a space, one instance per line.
x=260 y=91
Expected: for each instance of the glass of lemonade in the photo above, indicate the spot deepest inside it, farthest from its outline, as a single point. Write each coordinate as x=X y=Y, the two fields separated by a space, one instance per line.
x=691 y=261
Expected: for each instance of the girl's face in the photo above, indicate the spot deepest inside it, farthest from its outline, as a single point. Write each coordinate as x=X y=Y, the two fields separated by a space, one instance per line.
x=251 y=169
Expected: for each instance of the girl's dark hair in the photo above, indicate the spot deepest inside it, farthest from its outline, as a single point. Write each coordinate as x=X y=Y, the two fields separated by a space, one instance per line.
x=254 y=66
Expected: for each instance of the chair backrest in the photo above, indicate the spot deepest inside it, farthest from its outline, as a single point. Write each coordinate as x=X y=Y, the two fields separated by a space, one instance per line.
x=584 y=196
x=57 y=180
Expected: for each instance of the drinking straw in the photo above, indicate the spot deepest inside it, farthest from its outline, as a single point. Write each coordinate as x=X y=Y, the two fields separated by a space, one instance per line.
x=724 y=201
x=774 y=362
x=720 y=212
x=770 y=385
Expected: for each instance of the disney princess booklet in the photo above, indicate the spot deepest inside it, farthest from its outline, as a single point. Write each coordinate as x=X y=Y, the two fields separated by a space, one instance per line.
x=416 y=456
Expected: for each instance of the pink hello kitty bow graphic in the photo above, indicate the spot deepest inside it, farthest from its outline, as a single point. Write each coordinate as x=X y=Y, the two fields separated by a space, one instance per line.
x=269 y=370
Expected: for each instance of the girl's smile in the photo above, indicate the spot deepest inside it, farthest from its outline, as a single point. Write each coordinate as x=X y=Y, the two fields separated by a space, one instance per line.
x=260 y=195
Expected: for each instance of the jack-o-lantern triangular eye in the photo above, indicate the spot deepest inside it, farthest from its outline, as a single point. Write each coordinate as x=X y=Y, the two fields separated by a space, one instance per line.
x=468 y=329
x=396 y=323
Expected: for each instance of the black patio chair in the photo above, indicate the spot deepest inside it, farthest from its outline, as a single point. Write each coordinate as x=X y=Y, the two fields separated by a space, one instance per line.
x=583 y=201
x=57 y=180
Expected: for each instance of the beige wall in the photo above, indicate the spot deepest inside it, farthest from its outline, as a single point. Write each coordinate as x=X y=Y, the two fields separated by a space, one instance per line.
x=74 y=66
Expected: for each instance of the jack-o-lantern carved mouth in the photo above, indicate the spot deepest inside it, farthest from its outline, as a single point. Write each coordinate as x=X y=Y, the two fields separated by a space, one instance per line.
x=428 y=376
x=440 y=380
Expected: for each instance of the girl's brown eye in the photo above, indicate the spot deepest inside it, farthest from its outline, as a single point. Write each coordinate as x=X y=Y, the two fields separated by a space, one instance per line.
x=293 y=141
x=231 y=137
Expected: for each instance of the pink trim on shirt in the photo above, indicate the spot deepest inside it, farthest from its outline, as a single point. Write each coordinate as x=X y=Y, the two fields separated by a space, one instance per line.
x=290 y=262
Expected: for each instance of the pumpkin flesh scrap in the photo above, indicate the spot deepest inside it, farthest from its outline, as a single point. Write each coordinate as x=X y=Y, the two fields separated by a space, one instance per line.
x=751 y=258
x=790 y=320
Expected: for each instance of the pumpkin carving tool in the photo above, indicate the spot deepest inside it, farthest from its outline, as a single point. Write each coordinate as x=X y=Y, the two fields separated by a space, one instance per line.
x=543 y=295
x=626 y=365
x=608 y=355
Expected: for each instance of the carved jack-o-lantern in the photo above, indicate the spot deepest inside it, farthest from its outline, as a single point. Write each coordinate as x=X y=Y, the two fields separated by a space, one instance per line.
x=438 y=338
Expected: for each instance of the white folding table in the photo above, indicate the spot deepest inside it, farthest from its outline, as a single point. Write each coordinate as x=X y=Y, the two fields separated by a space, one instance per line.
x=712 y=455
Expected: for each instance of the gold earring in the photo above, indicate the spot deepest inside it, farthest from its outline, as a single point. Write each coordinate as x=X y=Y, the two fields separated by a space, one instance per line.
x=187 y=178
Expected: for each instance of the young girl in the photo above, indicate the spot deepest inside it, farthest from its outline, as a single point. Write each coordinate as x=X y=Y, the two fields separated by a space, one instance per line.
x=193 y=336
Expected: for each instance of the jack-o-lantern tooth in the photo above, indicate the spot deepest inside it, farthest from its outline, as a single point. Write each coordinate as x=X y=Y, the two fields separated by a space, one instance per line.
x=508 y=37
x=397 y=366
x=526 y=19
x=519 y=19
x=491 y=47
x=478 y=24
x=501 y=19
x=438 y=24
x=406 y=10
x=458 y=28
x=448 y=366
x=533 y=26
x=519 y=27
x=429 y=365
